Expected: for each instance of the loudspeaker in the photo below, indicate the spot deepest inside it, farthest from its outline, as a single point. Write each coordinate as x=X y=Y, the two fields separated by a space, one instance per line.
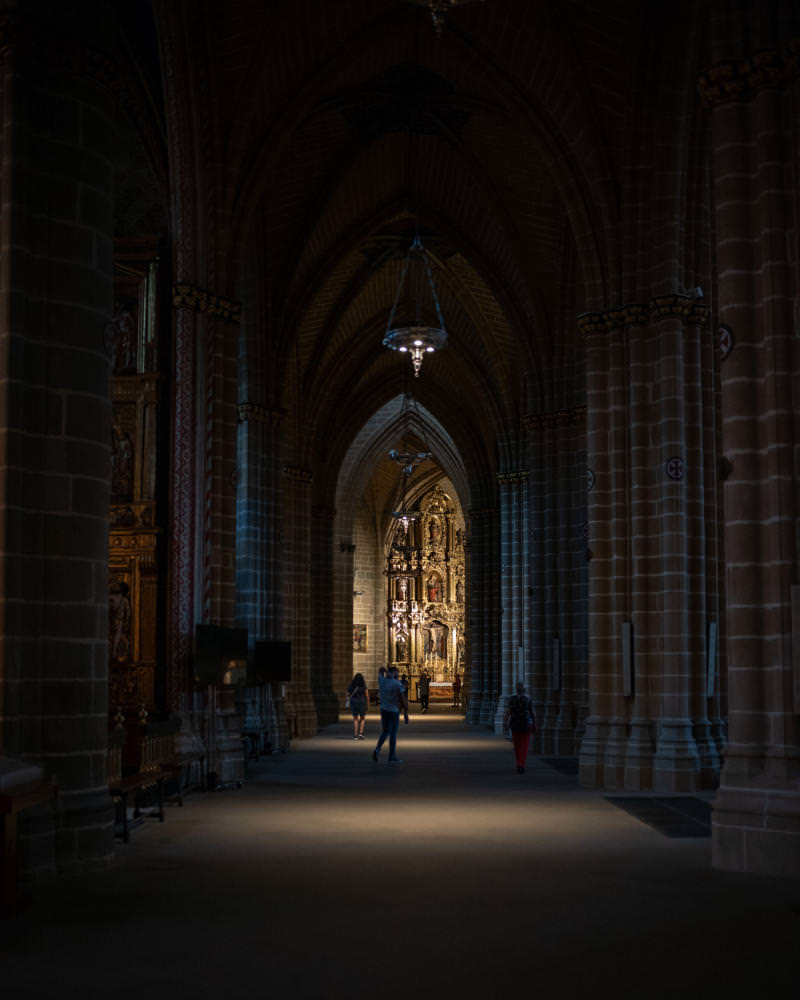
x=214 y=648
x=272 y=661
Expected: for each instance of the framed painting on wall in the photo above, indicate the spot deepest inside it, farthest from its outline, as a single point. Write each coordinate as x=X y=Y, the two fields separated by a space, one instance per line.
x=359 y=638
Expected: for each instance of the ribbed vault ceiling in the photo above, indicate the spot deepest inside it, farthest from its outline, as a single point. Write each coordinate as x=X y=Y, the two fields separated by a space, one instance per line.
x=336 y=130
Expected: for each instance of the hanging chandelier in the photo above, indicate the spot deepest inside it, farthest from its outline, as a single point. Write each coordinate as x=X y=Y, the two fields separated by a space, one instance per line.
x=416 y=337
x=438 y=9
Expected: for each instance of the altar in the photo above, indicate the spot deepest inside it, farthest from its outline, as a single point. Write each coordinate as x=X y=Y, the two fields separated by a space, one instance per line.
x=441 y=691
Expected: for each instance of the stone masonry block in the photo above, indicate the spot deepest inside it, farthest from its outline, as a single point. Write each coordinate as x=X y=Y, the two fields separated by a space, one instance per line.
x=74 y=536
x=69 y=580
x=88 y=417
x=55 y=197
x=34 y=409
x=67 y=659
x=67 y=241
x=79 y=370
x=71 y=697
x=96 y=209
x=73 y=162
x=90 y=496
x=74 y=283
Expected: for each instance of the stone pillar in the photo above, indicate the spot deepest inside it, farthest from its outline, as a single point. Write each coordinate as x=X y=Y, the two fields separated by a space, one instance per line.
x=513 y=585
x=326 y=701
x=483 y=627
x=608 y=539
x=297 y=525
x=557 y=575
x=56 y=298
x=752 y=93
x=258 y=591
x=652 y=501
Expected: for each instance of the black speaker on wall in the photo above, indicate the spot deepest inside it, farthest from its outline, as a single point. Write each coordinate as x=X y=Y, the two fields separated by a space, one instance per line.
x=215 y=646
x=272 y=661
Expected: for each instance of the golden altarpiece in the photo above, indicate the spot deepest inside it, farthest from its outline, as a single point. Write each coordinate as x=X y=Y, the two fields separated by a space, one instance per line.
x=133 y=577
x=426 y=585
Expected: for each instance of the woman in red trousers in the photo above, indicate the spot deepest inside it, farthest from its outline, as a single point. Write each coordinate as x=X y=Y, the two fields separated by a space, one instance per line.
x=519 y=719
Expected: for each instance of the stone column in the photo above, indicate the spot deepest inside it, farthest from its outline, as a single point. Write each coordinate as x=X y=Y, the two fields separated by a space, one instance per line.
x=326 y=701
x=556 y=576
x=652 y=488
x=752 y=93
x=484 y=627
x=56 y=298
x=513 y=585
x=603 y=748
x=297 y=526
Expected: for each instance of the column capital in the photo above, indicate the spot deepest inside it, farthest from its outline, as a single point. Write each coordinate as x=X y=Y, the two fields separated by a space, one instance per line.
x=258 y=414
x=677 y=305
x=512 y=478
x=188 y=296
x=298 y=474
x=573 y=417
x=739 y=80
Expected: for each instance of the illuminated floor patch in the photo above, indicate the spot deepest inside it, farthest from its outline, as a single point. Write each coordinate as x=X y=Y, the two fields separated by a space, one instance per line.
x=674 y=816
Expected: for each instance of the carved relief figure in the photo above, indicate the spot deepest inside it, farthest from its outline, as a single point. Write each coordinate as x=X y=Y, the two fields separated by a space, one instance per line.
x=435 y=531
x=123 y=340
x=434 y=587
x=119 y=620
x=121 y=463
x=459 y=591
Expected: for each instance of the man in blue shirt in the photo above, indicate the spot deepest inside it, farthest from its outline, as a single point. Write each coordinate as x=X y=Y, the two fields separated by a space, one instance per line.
x=392 y=699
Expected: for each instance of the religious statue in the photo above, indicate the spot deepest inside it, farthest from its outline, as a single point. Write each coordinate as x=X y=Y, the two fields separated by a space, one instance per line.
x=435 y=531
x=122 y=334
x=459 y=591
x=121 y=463
x=434 y=588
x=119 y=620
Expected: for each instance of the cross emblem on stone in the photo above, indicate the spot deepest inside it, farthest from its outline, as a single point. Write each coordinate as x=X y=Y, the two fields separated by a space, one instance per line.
x=726 y=341
x=675 y=467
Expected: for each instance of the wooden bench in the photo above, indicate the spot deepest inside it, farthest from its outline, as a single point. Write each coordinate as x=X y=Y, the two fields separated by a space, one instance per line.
x=142 y=761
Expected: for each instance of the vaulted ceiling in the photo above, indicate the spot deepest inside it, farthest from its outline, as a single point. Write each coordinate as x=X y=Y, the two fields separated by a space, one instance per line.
x=332 y=132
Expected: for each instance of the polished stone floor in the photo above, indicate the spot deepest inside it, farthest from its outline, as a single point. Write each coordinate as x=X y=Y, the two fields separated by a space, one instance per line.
x=327 y=875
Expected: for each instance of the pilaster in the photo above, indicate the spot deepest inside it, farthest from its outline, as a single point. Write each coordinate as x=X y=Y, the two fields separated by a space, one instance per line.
x=752 y=98
x=56 y=295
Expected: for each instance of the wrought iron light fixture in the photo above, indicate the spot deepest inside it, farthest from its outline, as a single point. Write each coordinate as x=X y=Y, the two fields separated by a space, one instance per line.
x=416 y=337
x=439 y=8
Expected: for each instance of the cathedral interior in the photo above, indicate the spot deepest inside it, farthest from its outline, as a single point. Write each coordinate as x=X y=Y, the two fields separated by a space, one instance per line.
x=452 y=334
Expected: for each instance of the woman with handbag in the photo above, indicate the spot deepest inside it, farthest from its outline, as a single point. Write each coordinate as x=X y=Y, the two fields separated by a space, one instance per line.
x=358 y=700
x=520 y=720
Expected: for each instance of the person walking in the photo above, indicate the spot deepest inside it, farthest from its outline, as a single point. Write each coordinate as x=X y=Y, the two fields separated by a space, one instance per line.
x=358 y=699
x=456 y=690
x=519 y=718
x=424 y=689
x=393 y=698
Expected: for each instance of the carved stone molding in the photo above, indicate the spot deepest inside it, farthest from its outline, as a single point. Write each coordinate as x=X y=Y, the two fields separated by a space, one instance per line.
x=512 y=478
x=574 y=417
x=741 y=79
x=257 y=414
x=684 y=307
x=297 y=474
x=186 y=296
